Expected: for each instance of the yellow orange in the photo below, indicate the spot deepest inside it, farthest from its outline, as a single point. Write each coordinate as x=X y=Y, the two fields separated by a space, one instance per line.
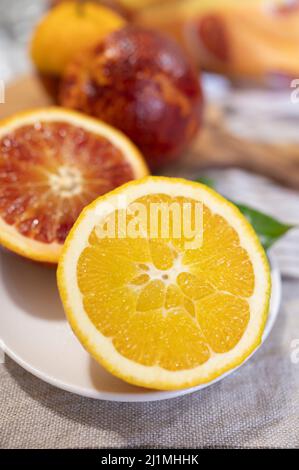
x=153 y=310
x=66 y=30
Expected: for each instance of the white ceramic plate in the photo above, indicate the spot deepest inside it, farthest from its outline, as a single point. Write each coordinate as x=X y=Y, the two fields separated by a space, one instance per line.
x=35 y=334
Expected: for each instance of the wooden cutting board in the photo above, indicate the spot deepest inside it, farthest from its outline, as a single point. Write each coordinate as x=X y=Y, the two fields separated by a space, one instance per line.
x=214 y=147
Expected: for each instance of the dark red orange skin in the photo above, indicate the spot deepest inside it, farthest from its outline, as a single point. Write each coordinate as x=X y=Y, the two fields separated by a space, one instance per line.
x=51 y=84
x=140 y=82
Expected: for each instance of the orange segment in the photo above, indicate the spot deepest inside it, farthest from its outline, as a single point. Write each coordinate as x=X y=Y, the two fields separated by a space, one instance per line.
x=194 y=286
x=223 y=319
x=52 y=164
x=156 y=312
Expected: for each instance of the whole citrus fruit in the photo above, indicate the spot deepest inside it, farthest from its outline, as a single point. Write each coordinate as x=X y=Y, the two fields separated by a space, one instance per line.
x=141 y=82
x=67 y=29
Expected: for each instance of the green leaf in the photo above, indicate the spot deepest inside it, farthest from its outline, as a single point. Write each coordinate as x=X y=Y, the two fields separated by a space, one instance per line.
x=207 y=181
x=268 y=229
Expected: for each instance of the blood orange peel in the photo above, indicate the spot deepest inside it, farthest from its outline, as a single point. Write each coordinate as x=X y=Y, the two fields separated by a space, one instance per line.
x=53 y=162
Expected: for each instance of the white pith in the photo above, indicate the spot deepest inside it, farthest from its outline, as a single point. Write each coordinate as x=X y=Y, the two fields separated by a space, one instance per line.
x=102 y=347
x=67 y=182
x=167 y=276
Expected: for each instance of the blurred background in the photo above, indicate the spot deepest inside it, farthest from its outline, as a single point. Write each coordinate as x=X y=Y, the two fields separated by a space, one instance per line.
x=247 y=55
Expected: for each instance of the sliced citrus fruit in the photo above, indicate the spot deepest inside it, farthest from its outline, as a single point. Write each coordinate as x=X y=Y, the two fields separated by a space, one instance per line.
x=53 y=162
x=154 y=309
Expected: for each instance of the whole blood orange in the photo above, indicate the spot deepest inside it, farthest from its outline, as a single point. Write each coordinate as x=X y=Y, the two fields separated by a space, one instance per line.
x=54 y=162
x=141 y=82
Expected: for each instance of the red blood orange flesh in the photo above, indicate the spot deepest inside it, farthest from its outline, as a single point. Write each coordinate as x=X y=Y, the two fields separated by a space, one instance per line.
x=52 y=164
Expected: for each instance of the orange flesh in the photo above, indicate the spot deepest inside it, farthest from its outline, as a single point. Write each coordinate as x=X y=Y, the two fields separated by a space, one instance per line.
x=162 y=304
x=49 y=172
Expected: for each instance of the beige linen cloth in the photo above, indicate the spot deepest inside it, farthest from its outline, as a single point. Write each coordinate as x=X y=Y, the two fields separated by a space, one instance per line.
x=258 y=406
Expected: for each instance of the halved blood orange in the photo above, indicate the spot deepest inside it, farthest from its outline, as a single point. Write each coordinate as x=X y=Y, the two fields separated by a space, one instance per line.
x=53 y=162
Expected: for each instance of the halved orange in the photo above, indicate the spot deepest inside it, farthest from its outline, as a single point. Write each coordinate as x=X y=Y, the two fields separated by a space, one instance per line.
x=153 y=308
x=53 y=162
x=68 y=29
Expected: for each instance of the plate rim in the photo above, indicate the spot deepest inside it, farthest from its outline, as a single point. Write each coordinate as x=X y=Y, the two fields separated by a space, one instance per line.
x=157 y=395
